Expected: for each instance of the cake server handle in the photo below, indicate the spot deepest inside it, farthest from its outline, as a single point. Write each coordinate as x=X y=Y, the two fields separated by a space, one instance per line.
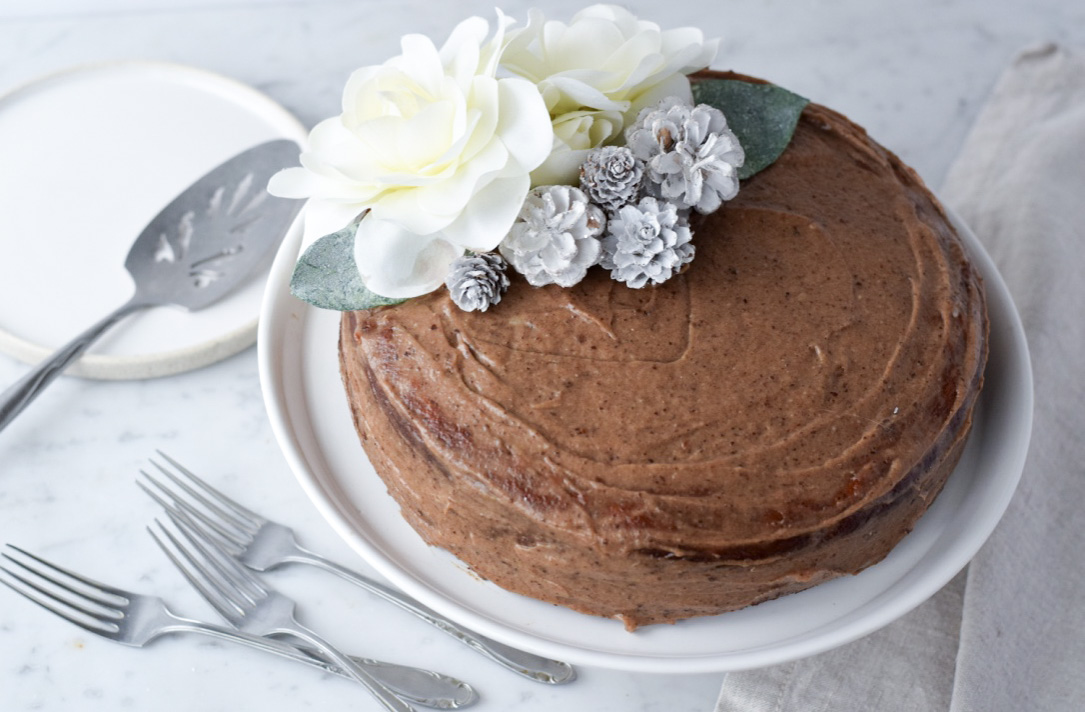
x=529 y=665
x=21 y=393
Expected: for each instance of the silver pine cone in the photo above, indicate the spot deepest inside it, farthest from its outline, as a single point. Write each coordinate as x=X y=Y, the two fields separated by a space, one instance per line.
x=611 y=176
x=646 y=243
x=691 y=156
x=554 y=239
x=476 y=281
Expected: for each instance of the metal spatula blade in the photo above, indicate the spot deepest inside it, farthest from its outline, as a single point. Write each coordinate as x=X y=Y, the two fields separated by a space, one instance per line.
x=198 y=249
x=214 y=234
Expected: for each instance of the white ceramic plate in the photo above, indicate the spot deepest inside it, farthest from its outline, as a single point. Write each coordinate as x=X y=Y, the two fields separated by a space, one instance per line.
x=90 y=155
x=304 y=396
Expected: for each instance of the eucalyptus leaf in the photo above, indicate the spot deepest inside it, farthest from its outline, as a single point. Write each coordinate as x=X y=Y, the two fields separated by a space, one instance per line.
x=326 y=276
x=763 y=117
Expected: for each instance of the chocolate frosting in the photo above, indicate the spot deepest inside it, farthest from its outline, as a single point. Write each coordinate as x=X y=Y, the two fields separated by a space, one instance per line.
x=779 y=414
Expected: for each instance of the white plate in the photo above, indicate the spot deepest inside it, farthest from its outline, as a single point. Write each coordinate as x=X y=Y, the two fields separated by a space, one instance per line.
x=90 y=155
x=304 y=396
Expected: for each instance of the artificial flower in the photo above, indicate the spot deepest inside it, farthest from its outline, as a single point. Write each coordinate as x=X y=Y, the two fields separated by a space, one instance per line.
x=434 y=148
x=596 y=74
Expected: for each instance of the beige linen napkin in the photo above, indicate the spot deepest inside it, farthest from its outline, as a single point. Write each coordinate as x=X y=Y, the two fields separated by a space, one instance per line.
x=1009 y=633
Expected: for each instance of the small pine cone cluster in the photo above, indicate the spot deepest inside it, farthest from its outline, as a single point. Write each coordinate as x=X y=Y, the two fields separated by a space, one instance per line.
x=646 y=243
x=629 y=215
x=476 y=281
x=611 y=177
x=692 y=157
x=555 y=238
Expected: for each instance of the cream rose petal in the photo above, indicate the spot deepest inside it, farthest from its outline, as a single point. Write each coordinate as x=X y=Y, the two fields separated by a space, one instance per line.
x=561 y=167
x=421 y=140
x=578 y=93
x=461 y=53
x=484 y=101
x=338 y=153
x=421 y=62
x=354 y=101
x=575 y=134
x=676 y=85
x=399 y=264
x=517 y=56
x=637 y=61
x=487 y=218
x=587 y=43
x=429 y=209
x=295 y=183
x=523 y=126
x=689 y=44
x=322 y=216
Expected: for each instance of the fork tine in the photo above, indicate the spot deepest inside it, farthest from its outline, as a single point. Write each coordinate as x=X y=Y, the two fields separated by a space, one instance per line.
x=212 y=595
x=88 y=608
x=94 y=587
x=211 y=560
x=254 y=519
x=96 y=608
x=231 y=569
x=230 y=540
x=239 y=521
x=77 y=600
x=58 y=606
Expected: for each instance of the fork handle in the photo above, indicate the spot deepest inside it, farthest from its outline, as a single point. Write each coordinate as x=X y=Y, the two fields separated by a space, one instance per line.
x=19 y=395
x=529 y=665
x=423 y=687
x=387 y=698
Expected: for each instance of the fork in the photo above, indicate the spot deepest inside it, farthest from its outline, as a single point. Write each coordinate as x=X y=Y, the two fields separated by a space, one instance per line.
x=250 y=604
x=136 y=620
x=263 y=545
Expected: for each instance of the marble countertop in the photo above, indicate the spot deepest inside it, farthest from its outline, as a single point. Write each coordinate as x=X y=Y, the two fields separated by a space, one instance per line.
x=914 y=74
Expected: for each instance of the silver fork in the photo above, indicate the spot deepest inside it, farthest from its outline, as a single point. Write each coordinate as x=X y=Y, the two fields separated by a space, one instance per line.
x=250 y=604
x=136 y=620
x=263 y=545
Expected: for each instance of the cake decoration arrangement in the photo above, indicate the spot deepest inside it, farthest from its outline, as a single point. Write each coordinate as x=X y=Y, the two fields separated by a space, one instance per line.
x=632 y=336
x=528 y=143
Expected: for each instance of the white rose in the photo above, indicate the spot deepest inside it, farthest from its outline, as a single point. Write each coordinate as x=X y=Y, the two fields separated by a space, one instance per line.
x=435 y=147
x=596 y=73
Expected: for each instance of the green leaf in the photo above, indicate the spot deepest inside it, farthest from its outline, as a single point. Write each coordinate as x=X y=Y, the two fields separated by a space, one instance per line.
x=763 y=116
x=327 y=277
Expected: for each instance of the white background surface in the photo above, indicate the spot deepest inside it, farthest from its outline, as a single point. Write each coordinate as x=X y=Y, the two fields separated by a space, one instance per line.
x=913 y=73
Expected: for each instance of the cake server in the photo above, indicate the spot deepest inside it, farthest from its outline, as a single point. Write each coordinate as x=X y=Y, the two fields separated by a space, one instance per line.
x=208 y=241
x=263 y=545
